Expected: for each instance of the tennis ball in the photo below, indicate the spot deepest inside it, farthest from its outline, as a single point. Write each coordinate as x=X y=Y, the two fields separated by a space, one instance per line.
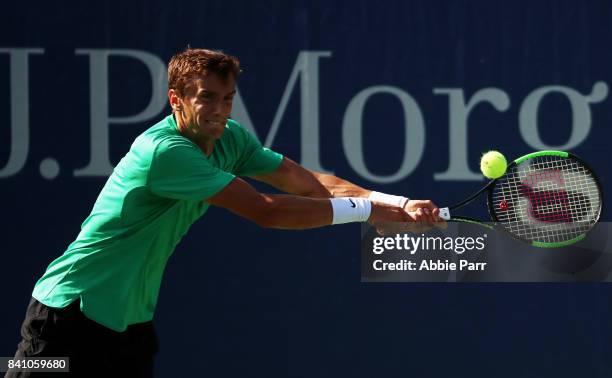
x=493 y=164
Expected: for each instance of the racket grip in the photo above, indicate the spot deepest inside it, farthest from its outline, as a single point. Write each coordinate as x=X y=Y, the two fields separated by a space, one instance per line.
x=445 y=213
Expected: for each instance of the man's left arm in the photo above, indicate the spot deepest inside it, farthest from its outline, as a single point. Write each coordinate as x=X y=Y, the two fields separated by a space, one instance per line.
x=290 y=177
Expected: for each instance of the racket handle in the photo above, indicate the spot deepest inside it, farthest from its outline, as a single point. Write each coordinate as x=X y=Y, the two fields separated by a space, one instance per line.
x=445 y=213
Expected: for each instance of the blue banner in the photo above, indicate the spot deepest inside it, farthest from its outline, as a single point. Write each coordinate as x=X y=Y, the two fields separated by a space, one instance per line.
x=401 y=97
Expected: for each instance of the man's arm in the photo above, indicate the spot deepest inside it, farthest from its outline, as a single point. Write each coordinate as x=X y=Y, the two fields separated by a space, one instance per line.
x=291 y=211
x=290 y=177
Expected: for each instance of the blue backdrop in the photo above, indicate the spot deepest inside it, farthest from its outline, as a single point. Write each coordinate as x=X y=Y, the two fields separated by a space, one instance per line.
x=398 y=96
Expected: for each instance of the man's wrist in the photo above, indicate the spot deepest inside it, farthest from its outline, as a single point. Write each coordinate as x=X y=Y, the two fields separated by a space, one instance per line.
x=350 y=209
x=389 y=199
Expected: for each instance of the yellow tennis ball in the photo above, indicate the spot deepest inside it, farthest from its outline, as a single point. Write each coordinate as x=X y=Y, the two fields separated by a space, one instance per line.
x=493 y=164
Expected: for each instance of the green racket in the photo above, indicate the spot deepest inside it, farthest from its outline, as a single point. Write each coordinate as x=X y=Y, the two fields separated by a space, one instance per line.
x=547 y=199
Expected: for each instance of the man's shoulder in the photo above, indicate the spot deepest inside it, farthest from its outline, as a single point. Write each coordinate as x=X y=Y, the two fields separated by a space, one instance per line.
x=163 y=129
x=161 y=136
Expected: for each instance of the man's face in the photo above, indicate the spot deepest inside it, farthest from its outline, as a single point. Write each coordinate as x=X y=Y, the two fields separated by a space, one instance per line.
x=206 y=105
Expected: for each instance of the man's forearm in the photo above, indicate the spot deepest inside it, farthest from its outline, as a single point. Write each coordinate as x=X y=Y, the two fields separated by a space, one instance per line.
x=341 y=188
x=284 y=211
x=292 y=178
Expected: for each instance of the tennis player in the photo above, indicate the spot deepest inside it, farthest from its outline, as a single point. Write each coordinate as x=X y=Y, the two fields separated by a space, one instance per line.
x=95 y=303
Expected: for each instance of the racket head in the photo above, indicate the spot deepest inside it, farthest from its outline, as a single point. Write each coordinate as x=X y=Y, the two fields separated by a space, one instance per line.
x=548 y=199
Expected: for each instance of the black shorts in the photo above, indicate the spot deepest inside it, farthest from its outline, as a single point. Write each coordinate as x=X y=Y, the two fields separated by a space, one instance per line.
x=94 y=350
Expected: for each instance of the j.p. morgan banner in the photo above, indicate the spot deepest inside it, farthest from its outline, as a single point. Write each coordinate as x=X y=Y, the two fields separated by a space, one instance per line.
x=304 y=82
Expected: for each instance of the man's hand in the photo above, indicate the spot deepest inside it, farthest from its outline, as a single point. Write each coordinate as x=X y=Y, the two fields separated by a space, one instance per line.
x=425 y=211
x=417 y=216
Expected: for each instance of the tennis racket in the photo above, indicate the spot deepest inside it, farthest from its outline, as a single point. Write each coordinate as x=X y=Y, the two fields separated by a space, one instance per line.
x=547 y=199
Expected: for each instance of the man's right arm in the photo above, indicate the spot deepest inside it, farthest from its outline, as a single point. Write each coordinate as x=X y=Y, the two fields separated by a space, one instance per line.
x=289 y=211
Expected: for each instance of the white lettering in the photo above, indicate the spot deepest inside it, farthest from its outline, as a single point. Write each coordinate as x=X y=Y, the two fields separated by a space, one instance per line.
x=20 y=108
x=99 y=163
x=581 y=114
x=306 y=67
x=414 y=137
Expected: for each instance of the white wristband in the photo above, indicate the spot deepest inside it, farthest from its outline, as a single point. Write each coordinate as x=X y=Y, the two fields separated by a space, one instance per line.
x=388 y=199
x=350 y=209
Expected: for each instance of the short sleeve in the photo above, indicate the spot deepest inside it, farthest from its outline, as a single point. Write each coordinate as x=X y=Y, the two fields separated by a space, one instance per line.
x=179 y=170
x=256 y=159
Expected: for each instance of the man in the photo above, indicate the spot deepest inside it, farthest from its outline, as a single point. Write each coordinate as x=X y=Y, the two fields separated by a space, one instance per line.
x=95 y=303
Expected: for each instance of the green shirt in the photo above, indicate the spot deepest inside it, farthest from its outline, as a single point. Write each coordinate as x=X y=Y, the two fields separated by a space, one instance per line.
x=155 y=193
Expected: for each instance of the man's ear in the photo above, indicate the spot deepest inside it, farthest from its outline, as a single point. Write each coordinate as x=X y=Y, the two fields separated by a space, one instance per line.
x=174 y=99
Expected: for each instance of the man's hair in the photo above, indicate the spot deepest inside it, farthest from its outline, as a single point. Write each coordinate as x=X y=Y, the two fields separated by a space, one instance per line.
x=188 y=64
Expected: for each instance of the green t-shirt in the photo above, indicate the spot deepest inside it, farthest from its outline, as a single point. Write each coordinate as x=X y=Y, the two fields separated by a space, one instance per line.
x=155 y=193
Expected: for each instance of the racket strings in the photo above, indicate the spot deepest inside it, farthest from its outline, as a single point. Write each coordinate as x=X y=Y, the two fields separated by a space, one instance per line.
x=548 y=199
